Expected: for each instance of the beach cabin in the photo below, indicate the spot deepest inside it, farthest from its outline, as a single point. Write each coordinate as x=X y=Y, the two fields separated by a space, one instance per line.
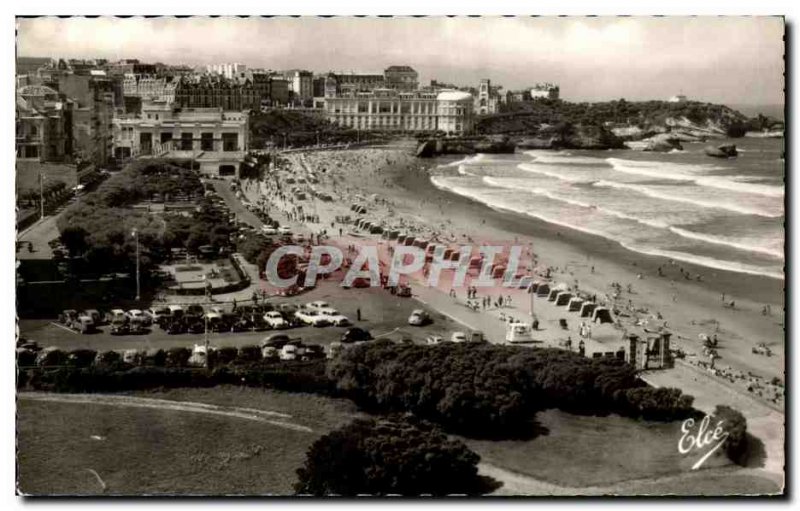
x=602 y=315
x=376 y=229
x=553 y=295
x=409 y=241
x=587 y=309
x=563 y=298
x=575 y=304
x=543 y=289
x=534 y=287
x=401 y=239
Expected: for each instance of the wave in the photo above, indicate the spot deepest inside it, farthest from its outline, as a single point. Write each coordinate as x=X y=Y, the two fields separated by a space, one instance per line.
x=541 y=169
x=550 y=195
x=564 y=158
x=463 y=161
x=645 y=190
x=721 y=240
x=709 y=262
x=688 y=173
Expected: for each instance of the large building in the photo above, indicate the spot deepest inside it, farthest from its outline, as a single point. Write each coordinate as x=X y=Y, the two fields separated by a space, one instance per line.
x=392 y=110
x=43 y=124
x=228 y=70
x=150 y=87
x=215 y=139
x=402 y=78
x=251 y=92
x=94 y=97
x=300 y=84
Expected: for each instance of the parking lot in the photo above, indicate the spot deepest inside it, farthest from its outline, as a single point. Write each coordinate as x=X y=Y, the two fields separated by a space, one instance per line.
x=382 y=314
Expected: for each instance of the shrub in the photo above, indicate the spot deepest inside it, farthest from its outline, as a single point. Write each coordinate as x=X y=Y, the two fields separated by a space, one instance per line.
x=735 y=424
x=81 y=358
x=383 y=457
x=178 y=357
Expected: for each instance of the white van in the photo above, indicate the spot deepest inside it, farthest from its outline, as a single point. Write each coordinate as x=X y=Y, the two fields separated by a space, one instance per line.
x=518 y=332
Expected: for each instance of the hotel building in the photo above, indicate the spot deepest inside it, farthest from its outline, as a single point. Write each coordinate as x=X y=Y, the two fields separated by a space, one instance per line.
x=392 y=110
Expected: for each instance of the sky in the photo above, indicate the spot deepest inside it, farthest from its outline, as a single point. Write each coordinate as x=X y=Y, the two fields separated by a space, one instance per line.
x=732 y=60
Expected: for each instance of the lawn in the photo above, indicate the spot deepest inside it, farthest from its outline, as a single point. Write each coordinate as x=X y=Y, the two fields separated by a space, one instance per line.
x=136 y=450
x=581 y=451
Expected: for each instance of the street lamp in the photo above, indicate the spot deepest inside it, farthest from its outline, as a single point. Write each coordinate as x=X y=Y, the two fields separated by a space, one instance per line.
x=135 y=234
x=41 y=194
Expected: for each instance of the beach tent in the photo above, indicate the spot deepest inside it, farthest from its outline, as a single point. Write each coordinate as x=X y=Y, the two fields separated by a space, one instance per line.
x=543 y=289
x=602 y=315
x=575 y=304
x=553 y=295
x=587 y=309
x=401 y=238
x=534 y=286
x=409 y=241
x=393 y=234
x=563 y=298
x=376 y=229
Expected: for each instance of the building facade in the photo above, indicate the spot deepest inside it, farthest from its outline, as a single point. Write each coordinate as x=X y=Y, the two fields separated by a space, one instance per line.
x=300 y=84
x=402 y=78
x=93 y=97
x=391 y=110
x=487 y=100
x=215 y=139
x=249 y=93
x=545 y=90
x=149 y=87
x=43 y=125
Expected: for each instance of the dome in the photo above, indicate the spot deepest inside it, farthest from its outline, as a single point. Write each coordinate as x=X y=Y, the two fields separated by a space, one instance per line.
x=454 y=95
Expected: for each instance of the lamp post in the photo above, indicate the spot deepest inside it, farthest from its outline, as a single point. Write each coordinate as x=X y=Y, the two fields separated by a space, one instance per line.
x=136 y=237
x=41 y=194
x=205 y=342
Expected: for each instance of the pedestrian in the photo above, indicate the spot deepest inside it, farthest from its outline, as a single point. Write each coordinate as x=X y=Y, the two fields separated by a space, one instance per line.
x=358 y=314
x=234 y=305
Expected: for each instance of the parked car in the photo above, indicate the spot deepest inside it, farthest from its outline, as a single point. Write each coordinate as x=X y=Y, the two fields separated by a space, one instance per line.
x=276 y=340
x=356 y=334
x=83 y=324
x=319 y=304
x=196 y=327
x=288 y=352
x=67 y=316
x=195 y=310
x=284 y=230
x=287 y=308
x=157 y=314
x=458 y=337
x=269 y=353
x=312 y=317
x=434 y=339
x=175 y=311
x=419 y=317
x=116 y=315
x=269 y=231
x=138 y=315
x=404 y=291
x=95 y=315
x=313 y=352
x=119 y=327
x=275 y=320
x=137 y=326
x=334 y=316
x=176 y=327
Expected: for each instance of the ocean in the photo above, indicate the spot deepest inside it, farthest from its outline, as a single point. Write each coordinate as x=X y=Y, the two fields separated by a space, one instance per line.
x=724 y=214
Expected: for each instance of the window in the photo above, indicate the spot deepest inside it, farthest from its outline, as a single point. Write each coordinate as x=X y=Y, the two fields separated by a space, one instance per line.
x=166 y=136
x=186 y=141
x=230 y=142
x=207 y=141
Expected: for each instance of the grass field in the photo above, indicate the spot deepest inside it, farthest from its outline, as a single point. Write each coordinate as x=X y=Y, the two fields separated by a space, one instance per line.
x=135 y=451
x=580 y=451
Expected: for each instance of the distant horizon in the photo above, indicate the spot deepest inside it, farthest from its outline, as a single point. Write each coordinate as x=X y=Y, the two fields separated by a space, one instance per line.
x=591 y=59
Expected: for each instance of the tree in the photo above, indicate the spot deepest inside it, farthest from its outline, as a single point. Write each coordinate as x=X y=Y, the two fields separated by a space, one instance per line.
x=74 y=238
x=397 y=456
x=735 y=424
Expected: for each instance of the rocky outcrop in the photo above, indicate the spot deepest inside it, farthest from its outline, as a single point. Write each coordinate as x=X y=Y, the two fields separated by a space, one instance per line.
x=571 y=137
x=435 y=147
x=723 y=151
x=662 y=143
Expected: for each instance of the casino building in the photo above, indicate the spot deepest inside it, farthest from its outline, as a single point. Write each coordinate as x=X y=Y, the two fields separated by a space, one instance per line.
x=395 y=110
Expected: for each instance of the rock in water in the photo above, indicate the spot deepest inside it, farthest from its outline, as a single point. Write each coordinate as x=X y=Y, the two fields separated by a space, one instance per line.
x=723 y=151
